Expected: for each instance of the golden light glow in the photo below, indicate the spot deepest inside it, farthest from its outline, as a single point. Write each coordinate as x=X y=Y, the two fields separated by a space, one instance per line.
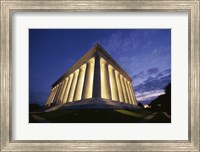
x=57 y=86
x=60 y=91
x=54 y=94
x=64 y=89
x=119 y=87
x=73 y=86
x=79 y=87
x=134 y=98
x=124 y=89
x=105 y=87
x=89 y=77
x=127 y=91
x=65 y=99
x=57 y=92
x=131 y=94
x=113 y=86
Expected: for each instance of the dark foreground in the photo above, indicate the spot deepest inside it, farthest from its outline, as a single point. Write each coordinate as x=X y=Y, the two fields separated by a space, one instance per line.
x=100 y=116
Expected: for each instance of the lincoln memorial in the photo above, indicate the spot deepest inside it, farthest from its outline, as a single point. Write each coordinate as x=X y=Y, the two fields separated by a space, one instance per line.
x=94 y=81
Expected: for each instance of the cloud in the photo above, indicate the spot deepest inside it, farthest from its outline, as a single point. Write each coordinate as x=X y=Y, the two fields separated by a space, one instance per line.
x=145 y=55
x=149 y=95
x=148 y=85
x=123 y=42
x=153 y=83
x=152 y=71
x=139 y=75
x=167 y=71
x=137 y=49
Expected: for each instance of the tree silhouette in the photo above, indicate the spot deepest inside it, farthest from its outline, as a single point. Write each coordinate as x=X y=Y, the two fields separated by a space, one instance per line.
x=163 y=102
x=33 y=107
x=141 y=105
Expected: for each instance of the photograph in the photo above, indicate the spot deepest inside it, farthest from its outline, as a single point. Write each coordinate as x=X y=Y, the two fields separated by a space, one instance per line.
x=99 y=75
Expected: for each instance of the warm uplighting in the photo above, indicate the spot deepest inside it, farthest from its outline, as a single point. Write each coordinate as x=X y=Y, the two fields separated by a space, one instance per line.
x=89 y=77
x=105 y=88
x=113 y=86
x=73 y=86
x=79 y=87
x=110 y=82
x=68 y=88
x=119 y=87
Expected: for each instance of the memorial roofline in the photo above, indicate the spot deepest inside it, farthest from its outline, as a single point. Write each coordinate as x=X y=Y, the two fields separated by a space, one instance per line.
x=97 y=49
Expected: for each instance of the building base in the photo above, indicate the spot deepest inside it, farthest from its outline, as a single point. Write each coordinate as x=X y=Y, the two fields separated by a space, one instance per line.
x=93 y=103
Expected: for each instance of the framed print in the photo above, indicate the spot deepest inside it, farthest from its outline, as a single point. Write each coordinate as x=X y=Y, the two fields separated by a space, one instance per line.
x=96 y=84
x=99 y=75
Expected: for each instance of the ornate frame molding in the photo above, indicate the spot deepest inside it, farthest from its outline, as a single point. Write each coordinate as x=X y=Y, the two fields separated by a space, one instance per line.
x=8 y=7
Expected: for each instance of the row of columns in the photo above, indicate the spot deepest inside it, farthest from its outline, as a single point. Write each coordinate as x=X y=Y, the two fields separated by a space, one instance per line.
x=114 y=86
x=77 y=86
x=96 y=78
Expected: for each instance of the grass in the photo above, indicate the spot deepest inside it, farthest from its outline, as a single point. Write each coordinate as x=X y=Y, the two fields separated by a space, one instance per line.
x=160 y=117
x=93 y=116
x=32 y=120
x=137 y=114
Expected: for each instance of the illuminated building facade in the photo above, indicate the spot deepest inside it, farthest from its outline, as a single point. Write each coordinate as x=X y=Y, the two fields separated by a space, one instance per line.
x=94 y=78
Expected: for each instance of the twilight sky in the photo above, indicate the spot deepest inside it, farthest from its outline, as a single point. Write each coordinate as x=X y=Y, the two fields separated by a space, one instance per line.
x=145 y=54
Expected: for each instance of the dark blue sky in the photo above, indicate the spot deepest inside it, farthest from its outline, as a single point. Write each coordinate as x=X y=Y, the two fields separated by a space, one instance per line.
x=145 y=54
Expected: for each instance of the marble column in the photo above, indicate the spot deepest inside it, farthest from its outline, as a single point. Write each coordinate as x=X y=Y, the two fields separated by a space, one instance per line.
x=73 y=86
x=61 y=89
x=127 y=91
x=124 y=89
x=88 y=82
x=131 y=94
x=134 y=98
x=113 y=85
x=80 y=81
x=54 y=94
x=57 y=93
x=119 y=87
x=66 y=95
x=105 y=84
x=64 y=89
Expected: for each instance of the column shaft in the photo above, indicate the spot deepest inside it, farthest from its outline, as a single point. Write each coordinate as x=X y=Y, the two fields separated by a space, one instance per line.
x=88 y=82
x=65 y=98
x=73 y=86
x=131 y=94
x=135 y=101
x=127 y=91
x=105 y=84
x=124 y=89
x=80 y=81
x=64 y=89
x=116 y=86
x=119 y=87
x=49 y=98
x=113 y=86
x=57 y=93
x=60 y=92
x=54 y=94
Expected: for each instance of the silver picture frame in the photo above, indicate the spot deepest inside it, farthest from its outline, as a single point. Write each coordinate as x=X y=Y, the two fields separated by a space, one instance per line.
x=9 y=7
